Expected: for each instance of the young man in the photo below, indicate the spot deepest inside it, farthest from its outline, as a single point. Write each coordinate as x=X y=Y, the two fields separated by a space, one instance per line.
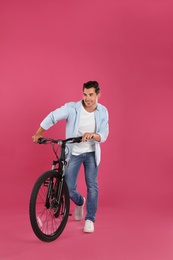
x=89 y=119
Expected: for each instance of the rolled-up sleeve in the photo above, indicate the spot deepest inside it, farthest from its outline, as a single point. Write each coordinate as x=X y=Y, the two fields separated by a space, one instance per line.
x=53 y=117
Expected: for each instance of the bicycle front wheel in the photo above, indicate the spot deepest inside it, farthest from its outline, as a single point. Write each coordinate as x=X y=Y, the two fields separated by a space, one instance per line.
x=49 y=206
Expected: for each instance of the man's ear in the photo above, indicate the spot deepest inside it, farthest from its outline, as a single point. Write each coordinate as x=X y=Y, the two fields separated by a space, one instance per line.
x=99 y=95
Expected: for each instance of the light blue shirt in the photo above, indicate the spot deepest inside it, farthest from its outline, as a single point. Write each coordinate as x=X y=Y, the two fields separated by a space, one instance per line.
x=71 y=113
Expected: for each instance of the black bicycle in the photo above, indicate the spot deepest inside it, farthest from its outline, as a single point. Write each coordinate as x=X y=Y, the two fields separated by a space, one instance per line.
x=50 y=202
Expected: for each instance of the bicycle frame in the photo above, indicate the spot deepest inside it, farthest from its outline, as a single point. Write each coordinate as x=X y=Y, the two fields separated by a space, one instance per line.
x=61 y=161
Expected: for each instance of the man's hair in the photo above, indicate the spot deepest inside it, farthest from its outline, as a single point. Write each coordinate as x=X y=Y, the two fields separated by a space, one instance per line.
x=92 y=84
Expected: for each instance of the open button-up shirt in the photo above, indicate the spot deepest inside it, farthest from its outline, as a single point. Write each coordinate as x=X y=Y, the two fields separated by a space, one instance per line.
x=71 y=113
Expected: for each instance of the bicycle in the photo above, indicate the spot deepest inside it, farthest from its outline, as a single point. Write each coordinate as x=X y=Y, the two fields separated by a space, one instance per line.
x=49 y=204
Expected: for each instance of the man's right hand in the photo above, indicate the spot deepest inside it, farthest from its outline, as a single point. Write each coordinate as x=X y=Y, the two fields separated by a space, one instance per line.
x=37 y=135
x=35 y=138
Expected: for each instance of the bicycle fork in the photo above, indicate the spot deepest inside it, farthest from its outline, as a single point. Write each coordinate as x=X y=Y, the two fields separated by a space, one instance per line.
x=59 y=186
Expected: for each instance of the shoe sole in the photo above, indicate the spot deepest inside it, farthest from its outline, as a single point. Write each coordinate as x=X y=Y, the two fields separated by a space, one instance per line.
x=88 y=231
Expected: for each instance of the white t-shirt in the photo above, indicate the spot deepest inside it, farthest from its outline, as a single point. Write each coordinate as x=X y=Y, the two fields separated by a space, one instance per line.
x=86 y=124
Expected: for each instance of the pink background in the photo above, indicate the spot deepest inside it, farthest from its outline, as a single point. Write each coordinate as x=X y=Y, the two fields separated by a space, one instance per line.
x=48 y=49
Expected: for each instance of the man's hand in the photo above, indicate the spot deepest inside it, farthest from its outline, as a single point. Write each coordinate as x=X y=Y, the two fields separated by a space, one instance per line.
x=35 y=138
x=89 y=136
x=37 y=135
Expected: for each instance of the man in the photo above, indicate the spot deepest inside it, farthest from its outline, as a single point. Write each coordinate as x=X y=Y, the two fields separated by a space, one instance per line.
x=89 y=119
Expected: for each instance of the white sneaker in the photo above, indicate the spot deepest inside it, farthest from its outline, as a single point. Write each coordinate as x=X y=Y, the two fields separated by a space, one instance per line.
x=89 y=226
x=78 y=214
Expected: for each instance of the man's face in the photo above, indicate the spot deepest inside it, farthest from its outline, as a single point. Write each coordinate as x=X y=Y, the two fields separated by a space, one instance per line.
x=90 y=97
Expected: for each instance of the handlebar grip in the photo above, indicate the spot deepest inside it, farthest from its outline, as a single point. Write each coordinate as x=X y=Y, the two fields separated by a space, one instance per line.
x=78 y=139
x=41 y=140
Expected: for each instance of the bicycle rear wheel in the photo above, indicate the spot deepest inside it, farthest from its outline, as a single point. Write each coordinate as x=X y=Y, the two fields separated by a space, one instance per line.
x=49 y=206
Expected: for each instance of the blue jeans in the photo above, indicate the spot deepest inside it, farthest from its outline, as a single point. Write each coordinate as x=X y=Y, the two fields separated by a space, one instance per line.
x=91 y=172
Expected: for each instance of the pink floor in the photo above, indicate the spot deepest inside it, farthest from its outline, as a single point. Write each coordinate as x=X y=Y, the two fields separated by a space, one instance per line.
x=123 y=231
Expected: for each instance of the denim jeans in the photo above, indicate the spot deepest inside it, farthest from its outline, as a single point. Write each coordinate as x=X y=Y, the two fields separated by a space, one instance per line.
x=91 y=172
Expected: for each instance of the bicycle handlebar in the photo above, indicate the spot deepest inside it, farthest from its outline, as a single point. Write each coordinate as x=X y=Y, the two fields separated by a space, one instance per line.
x=42 y=140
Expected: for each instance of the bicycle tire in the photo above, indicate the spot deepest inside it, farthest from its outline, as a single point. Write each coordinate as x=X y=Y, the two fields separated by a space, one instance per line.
x=48 y=218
